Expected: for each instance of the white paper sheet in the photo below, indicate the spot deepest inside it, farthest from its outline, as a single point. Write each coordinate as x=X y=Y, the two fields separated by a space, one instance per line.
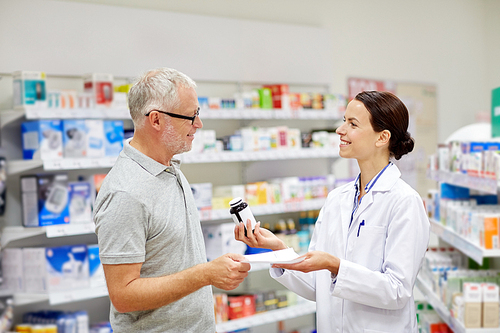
x=287 y=256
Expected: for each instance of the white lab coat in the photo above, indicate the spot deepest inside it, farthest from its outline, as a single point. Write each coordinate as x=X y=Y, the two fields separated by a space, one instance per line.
x=379 y=260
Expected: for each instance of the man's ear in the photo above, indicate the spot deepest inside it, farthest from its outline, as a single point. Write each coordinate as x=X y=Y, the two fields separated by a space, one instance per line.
x=154 y=120
x=383 y=138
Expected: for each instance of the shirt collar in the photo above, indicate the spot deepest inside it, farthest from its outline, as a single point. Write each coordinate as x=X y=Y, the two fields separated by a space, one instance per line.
x=150 y=165
x=374 y=180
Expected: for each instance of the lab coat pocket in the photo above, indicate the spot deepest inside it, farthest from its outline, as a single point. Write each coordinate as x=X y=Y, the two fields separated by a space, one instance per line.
x=369 y=245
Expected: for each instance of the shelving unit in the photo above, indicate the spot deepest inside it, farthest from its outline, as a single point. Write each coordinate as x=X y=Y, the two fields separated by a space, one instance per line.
x=444 y=313
x=465 y=246
x=470 y=249
x=488 y=185
x=19 y=166
x=303 y=308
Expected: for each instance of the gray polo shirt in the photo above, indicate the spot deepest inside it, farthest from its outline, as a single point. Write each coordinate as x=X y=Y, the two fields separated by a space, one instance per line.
x=145 y=213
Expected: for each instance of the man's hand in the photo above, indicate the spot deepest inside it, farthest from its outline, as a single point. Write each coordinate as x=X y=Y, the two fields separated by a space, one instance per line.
x=227 y=272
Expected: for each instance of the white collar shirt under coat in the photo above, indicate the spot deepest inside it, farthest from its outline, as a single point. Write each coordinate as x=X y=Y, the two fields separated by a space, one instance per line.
x=381 y=254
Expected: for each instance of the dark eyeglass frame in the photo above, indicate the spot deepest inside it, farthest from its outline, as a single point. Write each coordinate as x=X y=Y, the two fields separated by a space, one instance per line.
x=180 y=116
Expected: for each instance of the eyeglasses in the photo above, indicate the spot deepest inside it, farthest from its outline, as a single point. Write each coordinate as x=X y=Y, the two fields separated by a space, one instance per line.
x=180 y=116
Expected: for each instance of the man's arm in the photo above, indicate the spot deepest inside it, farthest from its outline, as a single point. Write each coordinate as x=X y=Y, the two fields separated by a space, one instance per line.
x=129 y=292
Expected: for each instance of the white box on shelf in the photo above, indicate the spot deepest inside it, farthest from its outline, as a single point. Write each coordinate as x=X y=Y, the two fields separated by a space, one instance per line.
x=29 y=89
x=490 y=316
x=12 y=270
x=80 y=207
x=95 y=138
x=219 y=240
x=472 y=300
x=100 y=85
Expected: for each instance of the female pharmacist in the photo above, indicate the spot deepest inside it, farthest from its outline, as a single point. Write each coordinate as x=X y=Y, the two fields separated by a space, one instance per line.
x=371 y=235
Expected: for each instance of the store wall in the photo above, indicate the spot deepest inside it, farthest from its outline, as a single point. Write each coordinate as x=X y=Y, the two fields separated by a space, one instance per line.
x=449 y=43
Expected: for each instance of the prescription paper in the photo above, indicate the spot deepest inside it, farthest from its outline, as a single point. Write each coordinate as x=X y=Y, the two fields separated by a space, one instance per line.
x=287 y=256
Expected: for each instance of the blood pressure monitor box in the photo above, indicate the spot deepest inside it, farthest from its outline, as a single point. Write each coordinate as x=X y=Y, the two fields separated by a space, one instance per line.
x=74 y=138
x=113 y=137
x=96 y=272
x=45 y=200
x=95 y=138
x=42 y=139
x=29 y=89
x=80 y=208
x=56 y=268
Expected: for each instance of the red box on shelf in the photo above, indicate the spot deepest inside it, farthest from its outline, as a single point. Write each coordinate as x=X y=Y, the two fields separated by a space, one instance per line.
x=241 y=306
x=280 y=95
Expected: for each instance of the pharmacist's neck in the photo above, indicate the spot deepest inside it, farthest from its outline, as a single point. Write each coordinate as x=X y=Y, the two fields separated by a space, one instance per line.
x=370 y=169
x=151 y=147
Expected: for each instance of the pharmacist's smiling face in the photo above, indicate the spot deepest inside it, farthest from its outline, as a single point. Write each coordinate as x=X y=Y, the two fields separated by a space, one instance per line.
x=178 y=134
x=357 y=137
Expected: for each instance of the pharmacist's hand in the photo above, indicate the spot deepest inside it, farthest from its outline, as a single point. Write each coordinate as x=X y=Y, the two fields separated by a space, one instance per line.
x=227 y=272
x=260 y=238
x=314 y=261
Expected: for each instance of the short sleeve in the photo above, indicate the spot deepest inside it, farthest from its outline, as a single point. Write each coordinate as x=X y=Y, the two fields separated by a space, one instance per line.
x=121 y=228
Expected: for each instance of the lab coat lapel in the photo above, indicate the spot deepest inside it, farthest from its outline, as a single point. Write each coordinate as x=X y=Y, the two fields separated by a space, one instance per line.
x=346 y=206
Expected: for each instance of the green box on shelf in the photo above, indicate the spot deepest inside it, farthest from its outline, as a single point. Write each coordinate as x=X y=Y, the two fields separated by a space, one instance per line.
x=495 y=112
x=266 y=98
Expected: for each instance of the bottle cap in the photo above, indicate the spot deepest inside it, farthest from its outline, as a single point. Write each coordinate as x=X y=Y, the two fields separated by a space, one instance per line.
x=235 y=201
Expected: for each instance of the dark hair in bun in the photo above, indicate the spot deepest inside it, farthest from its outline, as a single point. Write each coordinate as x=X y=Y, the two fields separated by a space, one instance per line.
x=388 y=112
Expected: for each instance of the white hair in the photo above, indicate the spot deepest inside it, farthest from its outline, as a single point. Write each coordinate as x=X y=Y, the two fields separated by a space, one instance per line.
x=156 y=89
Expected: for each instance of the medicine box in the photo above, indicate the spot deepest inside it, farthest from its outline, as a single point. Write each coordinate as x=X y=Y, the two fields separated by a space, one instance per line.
x=74 y=138
x=100 y=86
x=56 y=268
x=95 y=138
x=490 y=305
x=12 y=270
x=29 y=89
x=80 y=209
x=96 y=272
x=113 y=137
x=42 y=139
x=45 y=200
x=202 y=194
x=219 y=240
x=472 y=294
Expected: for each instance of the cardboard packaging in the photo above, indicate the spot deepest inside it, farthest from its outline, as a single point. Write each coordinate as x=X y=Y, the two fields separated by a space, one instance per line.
x=490 y=305
x=96 y=272
x=100 y=86
x=29 y=89
x=74 y=138
x=472 y=294
x=45 y=200
x=42 y=139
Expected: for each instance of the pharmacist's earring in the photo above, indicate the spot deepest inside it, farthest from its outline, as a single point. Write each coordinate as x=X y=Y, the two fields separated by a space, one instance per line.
x=383 y=138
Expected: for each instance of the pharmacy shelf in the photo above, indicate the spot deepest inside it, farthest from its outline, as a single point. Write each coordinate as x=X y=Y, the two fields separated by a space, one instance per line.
x=462 y=244
x=10 y=234
x=301 y=309
x=483 y=184
x=9 y=116
x=269 y=114
x=19 y=166
x=443 y=312
x=62 y=297
x=257 y=210
x=264 y=155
